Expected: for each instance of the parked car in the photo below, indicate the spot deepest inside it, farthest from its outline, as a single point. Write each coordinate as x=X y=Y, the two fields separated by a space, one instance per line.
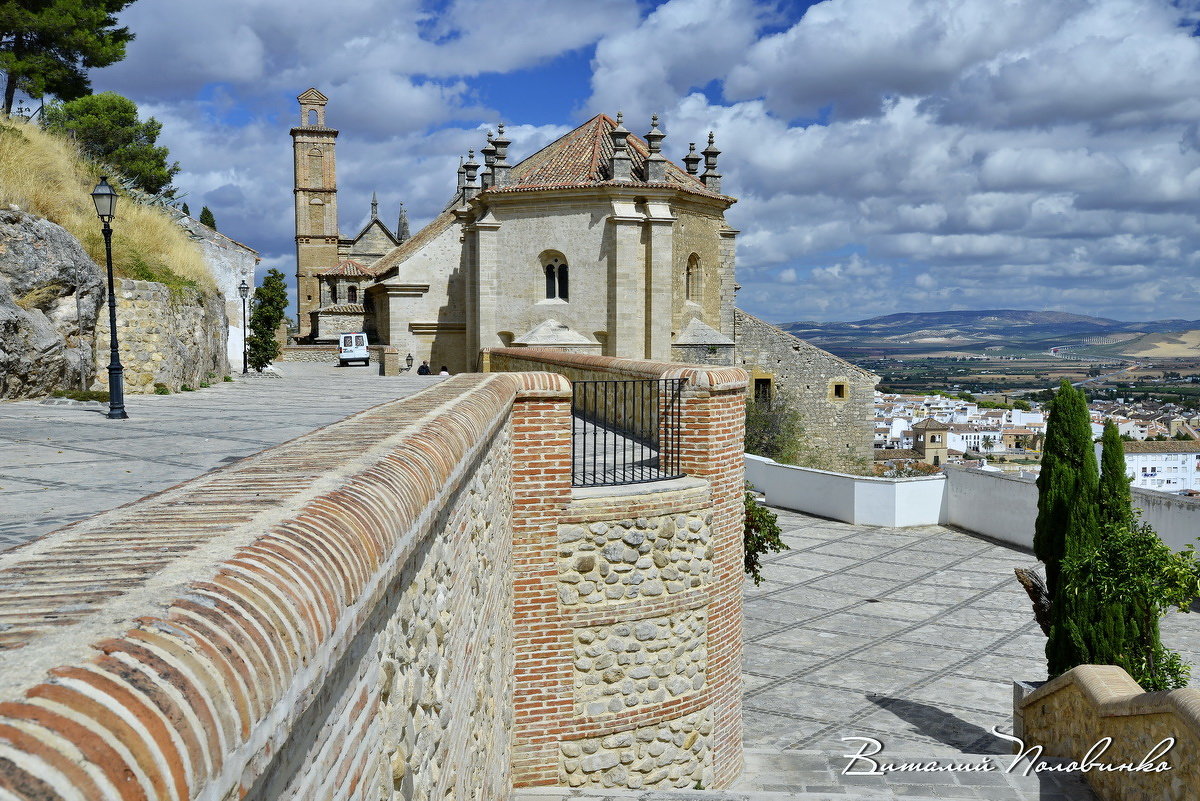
x=352 y=347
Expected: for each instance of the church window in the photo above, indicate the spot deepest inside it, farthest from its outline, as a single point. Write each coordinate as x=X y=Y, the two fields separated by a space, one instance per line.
x=312 y=117
x=839 y=391
x=762 y=390
x=557 y=278
x=352 y=295
x=691 y=278
x=333 y=293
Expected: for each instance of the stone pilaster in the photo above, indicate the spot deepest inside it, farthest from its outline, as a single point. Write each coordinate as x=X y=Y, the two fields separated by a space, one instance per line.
x=627 y=283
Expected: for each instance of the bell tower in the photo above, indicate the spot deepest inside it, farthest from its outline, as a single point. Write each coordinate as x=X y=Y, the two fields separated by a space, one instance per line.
x=316 y=203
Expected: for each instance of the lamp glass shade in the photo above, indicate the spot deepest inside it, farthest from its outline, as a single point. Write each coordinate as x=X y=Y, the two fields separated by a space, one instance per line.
x=105 y=198
x=244 y=289
x=408 y=360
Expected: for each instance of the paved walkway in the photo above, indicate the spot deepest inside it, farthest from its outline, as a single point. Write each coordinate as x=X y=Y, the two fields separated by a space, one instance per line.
x=59 y=464
x=909 y=636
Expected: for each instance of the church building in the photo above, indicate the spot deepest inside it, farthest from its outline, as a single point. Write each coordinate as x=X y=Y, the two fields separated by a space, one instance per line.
x=597 y=243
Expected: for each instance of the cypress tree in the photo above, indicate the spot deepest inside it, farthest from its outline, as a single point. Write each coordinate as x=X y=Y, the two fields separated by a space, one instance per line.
x=1067 y=482
x=1067 y=525
x=1115 y=503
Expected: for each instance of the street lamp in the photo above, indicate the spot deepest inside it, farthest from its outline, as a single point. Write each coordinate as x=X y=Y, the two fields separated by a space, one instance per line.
x=408 y=360
x=244 y=291
x=106 y=206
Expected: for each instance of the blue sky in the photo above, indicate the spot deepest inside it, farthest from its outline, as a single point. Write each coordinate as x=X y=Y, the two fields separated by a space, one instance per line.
x=888 y=155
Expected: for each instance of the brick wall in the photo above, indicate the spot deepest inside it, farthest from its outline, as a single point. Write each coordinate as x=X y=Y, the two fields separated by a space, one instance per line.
x=669 y=556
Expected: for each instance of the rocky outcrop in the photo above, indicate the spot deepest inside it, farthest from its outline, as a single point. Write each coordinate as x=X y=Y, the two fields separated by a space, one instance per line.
x=50 y=293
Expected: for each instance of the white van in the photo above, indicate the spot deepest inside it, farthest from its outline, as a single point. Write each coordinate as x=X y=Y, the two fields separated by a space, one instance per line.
x=353 y=348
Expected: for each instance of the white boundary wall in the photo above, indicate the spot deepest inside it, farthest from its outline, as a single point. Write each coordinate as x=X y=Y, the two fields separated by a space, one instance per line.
x=1002 y=506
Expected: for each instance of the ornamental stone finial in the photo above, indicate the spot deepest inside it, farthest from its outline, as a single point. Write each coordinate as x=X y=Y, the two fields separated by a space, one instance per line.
x=692 y=160
x=621 y=166
x=711 y=178
x=656 y=163
x=500 y=166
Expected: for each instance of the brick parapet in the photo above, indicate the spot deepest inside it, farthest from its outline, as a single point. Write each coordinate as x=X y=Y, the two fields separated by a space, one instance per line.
x=213 y=619
x=550 y=726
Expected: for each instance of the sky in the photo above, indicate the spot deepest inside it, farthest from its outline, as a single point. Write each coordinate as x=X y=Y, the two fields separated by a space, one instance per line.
x=887 y=155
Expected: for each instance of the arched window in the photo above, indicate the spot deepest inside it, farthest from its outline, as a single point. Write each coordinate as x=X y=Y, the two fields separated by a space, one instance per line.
x=557 y=278
x=691 y=278
x=312 y=117
x=352 y=295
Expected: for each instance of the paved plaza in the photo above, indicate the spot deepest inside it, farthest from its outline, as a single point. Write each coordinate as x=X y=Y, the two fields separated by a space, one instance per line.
x=63 y=463
x=909 y=636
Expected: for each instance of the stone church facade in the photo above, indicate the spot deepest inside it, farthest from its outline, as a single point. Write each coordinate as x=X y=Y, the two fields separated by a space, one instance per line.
x=597 y=243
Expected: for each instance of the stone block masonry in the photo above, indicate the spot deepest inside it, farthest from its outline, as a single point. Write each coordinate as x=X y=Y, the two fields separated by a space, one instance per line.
x=372 y=611
x=164 y=338
x=834 y=397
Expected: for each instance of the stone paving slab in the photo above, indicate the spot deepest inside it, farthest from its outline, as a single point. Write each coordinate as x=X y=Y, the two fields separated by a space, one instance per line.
x=63 y=462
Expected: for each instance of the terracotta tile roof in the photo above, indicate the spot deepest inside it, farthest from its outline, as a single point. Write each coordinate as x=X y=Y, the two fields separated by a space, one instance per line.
x=929 y=424
x=349 y=267
x=342 y=308
x=1170 y=446
x=583 y=156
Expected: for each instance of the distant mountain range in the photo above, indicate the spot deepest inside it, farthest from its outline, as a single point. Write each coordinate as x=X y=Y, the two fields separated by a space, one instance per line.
x=993 y=329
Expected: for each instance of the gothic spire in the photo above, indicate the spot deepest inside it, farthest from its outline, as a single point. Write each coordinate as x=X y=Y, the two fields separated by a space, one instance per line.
x=402 y=233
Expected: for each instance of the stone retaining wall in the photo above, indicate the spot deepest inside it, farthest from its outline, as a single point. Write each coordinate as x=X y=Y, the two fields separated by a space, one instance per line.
x=309 y=353
x=164 y=338
x=1073 y=712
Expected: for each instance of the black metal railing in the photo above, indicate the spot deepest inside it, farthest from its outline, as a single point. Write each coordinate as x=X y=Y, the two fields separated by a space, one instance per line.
x=625 y=432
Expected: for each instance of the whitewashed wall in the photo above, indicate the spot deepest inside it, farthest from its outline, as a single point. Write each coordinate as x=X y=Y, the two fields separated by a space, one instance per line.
x=1001 y=506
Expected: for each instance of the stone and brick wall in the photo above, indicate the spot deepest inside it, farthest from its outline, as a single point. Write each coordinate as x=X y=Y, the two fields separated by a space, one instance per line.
x=1070 y=714
x=838 y=430
x=164 y=338
x=374 y=611
x=309 y=353
x=640 y=610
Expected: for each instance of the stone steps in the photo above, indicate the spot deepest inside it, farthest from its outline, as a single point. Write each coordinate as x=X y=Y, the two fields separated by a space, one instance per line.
x=817 y=776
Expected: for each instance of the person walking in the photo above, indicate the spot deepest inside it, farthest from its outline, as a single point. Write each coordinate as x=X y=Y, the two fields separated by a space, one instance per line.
x=445 y=370
x=423 y=369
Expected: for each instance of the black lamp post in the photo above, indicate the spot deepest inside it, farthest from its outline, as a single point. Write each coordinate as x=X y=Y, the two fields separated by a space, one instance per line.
x=244 y=291
x=408 y=360
x=106 y=206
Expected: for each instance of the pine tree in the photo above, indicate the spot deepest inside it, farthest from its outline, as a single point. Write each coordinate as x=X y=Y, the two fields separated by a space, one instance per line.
x=186 y=210
x=47 y=46
x=206 y=218
x=270 y=303
x=107 y=127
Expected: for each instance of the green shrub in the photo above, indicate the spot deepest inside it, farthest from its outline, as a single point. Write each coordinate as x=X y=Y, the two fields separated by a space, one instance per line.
x=185 y=388
x=205 y=385
x=162 y=389
x=227 y=378
x=82 y=394
x=760 y=535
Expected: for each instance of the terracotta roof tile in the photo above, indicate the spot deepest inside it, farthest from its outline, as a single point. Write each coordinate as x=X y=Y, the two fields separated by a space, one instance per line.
x=1170 y=446
x=348 y=267
x=342 y=308
x=582 y=157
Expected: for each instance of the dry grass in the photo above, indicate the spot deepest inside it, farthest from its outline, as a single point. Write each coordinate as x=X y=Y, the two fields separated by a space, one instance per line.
x=45 y=174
